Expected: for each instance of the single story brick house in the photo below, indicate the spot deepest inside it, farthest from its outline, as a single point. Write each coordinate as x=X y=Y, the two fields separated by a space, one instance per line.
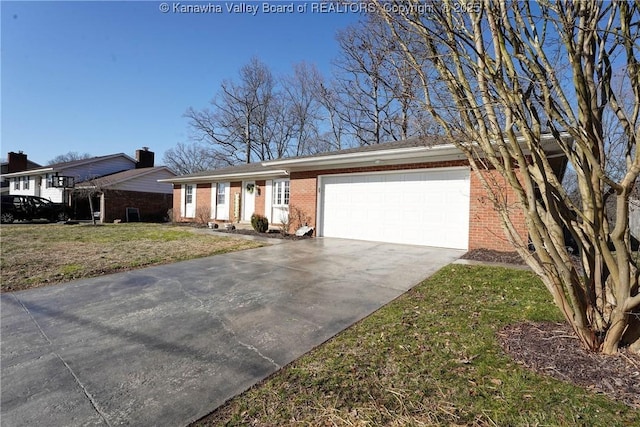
x=408 y=192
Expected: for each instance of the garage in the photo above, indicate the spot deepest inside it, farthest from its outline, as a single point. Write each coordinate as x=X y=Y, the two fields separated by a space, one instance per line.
x=425 y=207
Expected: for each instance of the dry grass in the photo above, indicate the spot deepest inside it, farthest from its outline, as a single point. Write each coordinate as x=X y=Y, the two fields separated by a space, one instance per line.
x=40 y=255
x=429 y=358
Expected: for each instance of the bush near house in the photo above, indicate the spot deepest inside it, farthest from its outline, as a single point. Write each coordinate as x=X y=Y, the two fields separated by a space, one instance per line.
x=259 y=223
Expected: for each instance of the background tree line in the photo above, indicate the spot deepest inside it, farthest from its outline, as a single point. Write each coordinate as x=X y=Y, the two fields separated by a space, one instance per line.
x=257 y=116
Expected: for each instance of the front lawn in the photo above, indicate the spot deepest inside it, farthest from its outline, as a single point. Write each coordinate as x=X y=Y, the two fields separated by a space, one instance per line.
x=38 y=255
x=431 y=357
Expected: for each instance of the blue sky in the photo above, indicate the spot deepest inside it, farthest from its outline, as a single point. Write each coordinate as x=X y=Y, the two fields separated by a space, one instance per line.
x=105 y=77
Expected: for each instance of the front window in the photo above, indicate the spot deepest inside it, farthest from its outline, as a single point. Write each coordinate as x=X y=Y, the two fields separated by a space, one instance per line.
x=221 y=197
x=25 y=183
x=281 y=193
x=189 y=194
x=16 y=183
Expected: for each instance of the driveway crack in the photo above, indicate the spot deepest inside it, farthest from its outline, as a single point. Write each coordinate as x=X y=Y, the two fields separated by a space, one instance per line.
x=191 y=295
x=249 y=346
x=94 y=404
x=227 y=328
x=255 y=350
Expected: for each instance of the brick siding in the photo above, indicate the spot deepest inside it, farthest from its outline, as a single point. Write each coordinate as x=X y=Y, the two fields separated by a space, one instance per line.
x=485 y=229
x=153 y=207
x=203 y=203
x=303 y=196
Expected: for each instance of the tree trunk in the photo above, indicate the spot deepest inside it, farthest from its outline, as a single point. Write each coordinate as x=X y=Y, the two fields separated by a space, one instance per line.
x=619 y=323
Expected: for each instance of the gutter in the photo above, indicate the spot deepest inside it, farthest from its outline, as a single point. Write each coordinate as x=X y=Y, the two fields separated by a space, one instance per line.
x=388 y=154
x=228 y=176
x=28 y=172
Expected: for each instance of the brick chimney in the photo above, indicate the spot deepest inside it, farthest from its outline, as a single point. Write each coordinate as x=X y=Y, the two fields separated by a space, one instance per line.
x=17 y=162
x=144 y=158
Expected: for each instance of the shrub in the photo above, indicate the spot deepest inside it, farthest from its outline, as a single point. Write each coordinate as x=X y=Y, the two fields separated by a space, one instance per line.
x=203 y=214
x=295 y=218
x=259 y=223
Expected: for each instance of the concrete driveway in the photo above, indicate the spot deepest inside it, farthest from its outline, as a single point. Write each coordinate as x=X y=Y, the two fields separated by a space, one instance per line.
x=167 y=345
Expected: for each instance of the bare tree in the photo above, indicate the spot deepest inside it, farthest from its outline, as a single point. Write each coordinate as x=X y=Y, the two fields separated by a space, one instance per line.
x=260 y=117
x=303 y=107
x=500 y=75
x=235 y=127
x=190 y=158
x=91 y=188
x=360 y=79
x=378 y=86
x=69 y=157
x=328 y=99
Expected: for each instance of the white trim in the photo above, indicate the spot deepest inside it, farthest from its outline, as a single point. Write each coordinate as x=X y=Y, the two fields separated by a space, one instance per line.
x=28 y=172
x=229 y=176
x=214 y=200
x=392 y=171
x=268 y=203
x=195 y=200
x=442 y=152
x=102 y=208
x=411 y=154
x=183 y=193
x=372 y=157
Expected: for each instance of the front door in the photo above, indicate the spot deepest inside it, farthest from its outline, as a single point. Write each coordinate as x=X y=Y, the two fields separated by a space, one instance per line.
x=248 y=200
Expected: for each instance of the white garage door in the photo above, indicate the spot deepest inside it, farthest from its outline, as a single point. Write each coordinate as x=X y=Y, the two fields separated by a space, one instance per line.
x=428 y=207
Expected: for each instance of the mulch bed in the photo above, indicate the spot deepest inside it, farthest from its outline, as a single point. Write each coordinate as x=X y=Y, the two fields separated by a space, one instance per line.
x=553 y=349
x=273 y=234
x=488 y=255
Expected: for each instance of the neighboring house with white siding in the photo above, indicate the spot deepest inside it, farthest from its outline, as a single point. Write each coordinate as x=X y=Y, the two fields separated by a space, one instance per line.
x=135 y=180
x=46 y=181
x=16 y=162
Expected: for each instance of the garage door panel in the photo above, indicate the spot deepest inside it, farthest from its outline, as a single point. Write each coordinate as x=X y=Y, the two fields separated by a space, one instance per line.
x=424 y=207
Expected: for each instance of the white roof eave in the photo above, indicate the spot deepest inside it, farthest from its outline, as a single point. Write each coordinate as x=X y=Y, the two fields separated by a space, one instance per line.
x=28 y=172
x=393 y=156
x=227 y=176
x=411 y=154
